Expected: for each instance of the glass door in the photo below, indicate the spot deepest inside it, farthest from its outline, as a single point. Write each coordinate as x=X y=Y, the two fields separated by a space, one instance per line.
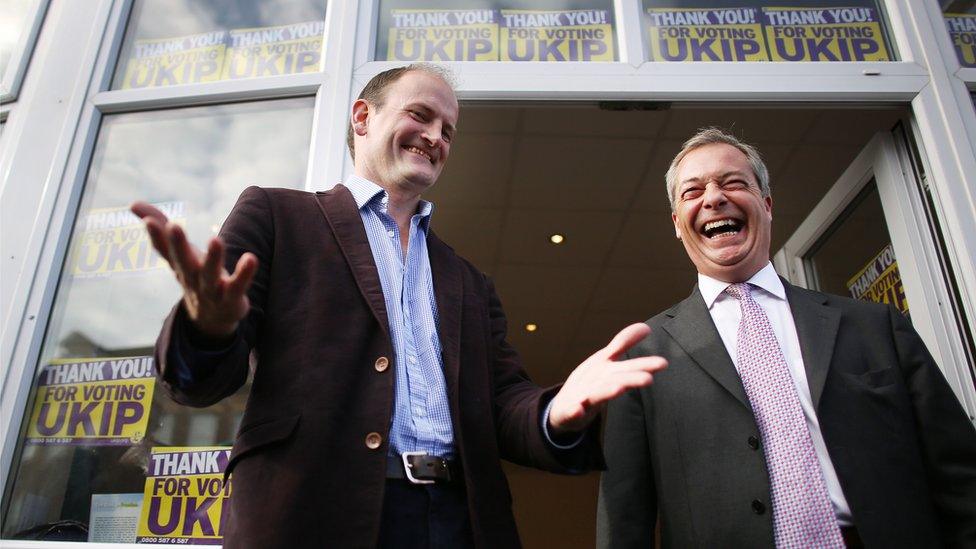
x=869 y=238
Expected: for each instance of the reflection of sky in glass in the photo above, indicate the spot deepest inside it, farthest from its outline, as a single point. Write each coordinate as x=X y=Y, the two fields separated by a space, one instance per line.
x=159 y=19
x=13 y=15
x=201 y=157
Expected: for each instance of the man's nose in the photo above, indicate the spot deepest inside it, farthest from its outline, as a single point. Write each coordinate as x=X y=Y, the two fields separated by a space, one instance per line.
x=432 y=133
x=714 y=196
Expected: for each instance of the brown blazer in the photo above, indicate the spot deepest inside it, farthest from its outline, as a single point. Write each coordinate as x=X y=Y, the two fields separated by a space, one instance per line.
x=303 y=474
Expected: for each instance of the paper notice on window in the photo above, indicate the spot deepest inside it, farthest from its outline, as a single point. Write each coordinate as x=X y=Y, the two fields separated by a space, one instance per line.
x=180 y=60
x=114 y=518
x=733 y=34
x=185 y=496
x=824 y=34
x=443 y=35
x=565 y=35
x=272 y=51
x=92 y=401
x=880 y=281
x=962 y=32
x=114 y=241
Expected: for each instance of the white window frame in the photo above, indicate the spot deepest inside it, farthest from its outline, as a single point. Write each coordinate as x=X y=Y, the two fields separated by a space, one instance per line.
x=13 y=76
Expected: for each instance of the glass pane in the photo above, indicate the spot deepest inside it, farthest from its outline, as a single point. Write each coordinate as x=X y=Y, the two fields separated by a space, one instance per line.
x=94 y=418
x=496 y=30
x=855 y=257
x=171 y=43
x=766 y=30
x=960 y=20
x=13 y=19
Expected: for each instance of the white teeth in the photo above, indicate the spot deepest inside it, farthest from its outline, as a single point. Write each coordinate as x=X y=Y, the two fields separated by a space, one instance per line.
x=720 y=223
x=420 y=152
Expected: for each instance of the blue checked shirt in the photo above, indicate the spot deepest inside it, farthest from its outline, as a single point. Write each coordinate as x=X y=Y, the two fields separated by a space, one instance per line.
x=421 y=414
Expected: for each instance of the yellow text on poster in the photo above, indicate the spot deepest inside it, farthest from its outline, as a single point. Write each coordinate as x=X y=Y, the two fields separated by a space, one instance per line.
x=92 y=401
x=443 y=35
x=180 y=60
x=569 y=35
x=962 y=31
x=880 y=281
x=114 y=240
x=270 y=51
x=824 y=34
x=185 y=496
x=733 y=34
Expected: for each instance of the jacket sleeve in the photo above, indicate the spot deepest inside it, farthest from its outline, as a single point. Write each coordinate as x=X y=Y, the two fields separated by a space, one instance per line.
x=519 y=405
x=627 y=505
x=947 y=438
x=201 y=377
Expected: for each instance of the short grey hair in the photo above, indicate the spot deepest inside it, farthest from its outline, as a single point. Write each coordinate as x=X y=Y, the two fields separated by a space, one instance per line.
x=709 y=136
x=375 y=90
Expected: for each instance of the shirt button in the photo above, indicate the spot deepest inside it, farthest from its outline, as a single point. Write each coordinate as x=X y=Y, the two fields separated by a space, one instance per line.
x=413 y=360
x=373 y=440
x=420 y=412
x=390 y=234
x=754 y=443
x=381 y=364
x=758 y=507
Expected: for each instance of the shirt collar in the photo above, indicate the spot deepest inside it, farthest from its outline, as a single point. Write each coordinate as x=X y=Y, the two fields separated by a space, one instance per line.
x=365 y=193
x=766 y=278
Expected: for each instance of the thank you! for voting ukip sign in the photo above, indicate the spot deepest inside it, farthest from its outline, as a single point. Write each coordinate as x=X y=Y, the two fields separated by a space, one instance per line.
x=962 y=31
x=92 y=401
x=506 y=35
x=225 y=54
x=880 y=281
x=766 y=34
x=185 y=496
x=114 y=241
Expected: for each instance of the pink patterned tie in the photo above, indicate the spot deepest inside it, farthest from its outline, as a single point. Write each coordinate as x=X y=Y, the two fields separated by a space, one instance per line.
x=802 y=513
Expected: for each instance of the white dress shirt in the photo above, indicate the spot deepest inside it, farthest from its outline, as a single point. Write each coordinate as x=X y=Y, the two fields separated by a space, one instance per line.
x=771 y=296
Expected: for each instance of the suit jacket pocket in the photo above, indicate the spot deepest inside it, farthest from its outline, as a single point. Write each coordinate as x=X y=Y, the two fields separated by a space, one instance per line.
x=875 y=379
x=258 y=435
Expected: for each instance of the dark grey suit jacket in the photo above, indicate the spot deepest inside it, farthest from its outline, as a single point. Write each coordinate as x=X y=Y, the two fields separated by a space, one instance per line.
x=682 y=452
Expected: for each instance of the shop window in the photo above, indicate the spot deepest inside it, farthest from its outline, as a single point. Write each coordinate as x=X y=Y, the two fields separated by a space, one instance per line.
x=13 y=19
x=960 y=21
x=192 y=42
x=766 y=30
x=496 y=30
x=98 y=433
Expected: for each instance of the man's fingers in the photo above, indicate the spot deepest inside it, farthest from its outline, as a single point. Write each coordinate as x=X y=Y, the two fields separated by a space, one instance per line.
x=626 y=338
x=185 y=260
x=146 y=211
x=213 y=266
x=240 y=281
x=158 y=238
x=642 y=364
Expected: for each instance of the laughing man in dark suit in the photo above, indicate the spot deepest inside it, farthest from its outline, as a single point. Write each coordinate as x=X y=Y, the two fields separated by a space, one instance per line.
x=787 y=417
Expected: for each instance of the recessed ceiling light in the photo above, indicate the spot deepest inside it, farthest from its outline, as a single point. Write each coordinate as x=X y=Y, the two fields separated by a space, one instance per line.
x=557 y=238
x=531 y=327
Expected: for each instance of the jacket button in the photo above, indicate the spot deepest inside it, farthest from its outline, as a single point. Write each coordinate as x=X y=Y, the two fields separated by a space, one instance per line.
x=373 y=440
x=754 y=443
x=381 y=364
x=758 y=507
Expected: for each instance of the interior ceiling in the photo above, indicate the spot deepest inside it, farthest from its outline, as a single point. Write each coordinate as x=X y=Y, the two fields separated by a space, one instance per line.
x=521 y=172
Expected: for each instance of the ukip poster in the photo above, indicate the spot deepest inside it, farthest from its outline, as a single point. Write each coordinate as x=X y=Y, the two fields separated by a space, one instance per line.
x=271 y=51
x=443 y=35
x=730 y=34
x=92 y=401
x=962 y=32
x=114 y=241
x=185 y=496
x=880 y=281
x=824 y=34
x=189 y=59
x=562 y=35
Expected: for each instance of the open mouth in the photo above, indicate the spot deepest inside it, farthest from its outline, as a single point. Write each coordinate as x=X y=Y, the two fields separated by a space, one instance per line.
x=421 y=152
x=722 y=228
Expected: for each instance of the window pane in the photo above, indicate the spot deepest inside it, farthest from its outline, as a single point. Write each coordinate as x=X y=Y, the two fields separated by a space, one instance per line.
x=13 y=19
x=766 y=30
x=170 y=43
x=496 y=30
x=94 y=416
x=960 y=20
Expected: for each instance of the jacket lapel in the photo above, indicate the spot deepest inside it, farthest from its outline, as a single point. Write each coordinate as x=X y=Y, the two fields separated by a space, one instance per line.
x=816 y=327
x=341 y=213
x=448 y=289
x=692 y=328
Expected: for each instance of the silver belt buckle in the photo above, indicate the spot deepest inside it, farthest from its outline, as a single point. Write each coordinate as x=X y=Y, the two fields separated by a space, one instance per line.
x=407 y=467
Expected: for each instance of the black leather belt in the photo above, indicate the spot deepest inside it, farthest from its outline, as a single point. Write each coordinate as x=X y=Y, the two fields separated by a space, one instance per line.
x=420 y=468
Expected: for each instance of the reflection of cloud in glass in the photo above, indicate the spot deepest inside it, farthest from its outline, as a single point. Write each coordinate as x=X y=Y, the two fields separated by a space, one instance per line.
x=13 y=15
x=203 y=157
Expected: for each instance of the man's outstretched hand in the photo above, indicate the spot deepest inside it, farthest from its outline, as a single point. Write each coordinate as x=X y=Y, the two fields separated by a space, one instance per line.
x=600 y=379
x=215 y=300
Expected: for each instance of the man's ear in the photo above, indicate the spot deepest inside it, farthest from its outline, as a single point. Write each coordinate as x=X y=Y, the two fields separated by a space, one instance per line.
x=677 y=229
x=360 y=116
